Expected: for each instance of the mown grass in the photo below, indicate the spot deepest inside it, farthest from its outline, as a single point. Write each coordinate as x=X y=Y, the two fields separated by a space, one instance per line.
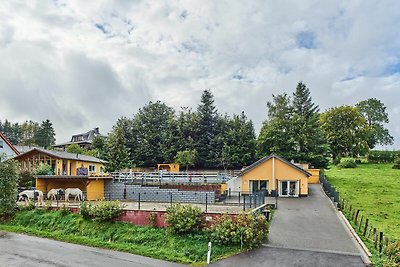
x=375 y=190
x=146 y=241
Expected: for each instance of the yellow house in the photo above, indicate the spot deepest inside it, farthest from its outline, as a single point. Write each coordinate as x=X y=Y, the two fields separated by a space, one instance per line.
x=68 y=170
x=275 y=175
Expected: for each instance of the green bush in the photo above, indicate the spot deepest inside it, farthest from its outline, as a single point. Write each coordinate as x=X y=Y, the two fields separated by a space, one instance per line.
x=396 y=163
x=8 y=186
x=105 y=211
x=152 y=219
x=43 y=169
x=184 y=219
x=26 y=179
x=64 y=210
x=30 y=205
x=381 y=156
x=246 y=229
x=347 y=163
x=336 y=161
x=84 y=209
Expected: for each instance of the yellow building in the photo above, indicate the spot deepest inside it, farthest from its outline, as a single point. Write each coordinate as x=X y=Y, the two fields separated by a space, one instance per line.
x=169 y=167
x=68 y=170
x=275 y=174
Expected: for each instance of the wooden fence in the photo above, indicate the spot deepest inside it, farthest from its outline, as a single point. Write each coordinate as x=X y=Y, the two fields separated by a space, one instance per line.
x=359 y=220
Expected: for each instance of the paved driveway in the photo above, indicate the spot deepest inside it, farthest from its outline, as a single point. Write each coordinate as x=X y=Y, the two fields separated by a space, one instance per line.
x=304 y=232
x=312 y=223
x=22 y=250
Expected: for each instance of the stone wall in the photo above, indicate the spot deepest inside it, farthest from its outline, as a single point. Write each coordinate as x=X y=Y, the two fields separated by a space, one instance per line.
x=120 y=191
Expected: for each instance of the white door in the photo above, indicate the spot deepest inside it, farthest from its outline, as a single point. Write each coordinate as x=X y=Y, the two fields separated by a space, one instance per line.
x=288 y=188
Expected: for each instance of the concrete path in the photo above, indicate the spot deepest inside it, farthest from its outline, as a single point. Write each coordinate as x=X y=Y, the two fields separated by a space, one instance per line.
x=23 y=250
x=310 y=223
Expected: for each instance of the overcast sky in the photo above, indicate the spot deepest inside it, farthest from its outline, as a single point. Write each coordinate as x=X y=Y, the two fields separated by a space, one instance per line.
x=83 y=64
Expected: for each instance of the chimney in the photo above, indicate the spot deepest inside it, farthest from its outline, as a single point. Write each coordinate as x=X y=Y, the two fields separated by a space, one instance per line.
x=96 y=130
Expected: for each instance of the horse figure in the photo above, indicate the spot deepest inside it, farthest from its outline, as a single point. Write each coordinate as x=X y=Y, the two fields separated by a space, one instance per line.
x=27 y=195
x=52 y=194
x=73 y=192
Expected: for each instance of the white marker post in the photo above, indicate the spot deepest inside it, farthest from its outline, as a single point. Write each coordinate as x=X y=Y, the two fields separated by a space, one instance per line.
x=209 y=253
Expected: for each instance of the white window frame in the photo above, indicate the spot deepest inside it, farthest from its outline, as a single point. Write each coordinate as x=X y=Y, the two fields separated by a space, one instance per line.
x=94 y=168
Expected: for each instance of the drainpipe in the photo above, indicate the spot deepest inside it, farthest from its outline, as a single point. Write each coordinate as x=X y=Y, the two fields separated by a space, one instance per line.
x=273 y=173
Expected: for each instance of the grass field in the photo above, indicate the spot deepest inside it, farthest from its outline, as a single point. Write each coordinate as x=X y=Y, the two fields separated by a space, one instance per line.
x=375 y=190
x=146 y=241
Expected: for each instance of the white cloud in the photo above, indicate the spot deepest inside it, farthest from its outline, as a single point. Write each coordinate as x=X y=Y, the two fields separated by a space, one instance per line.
x=83 y=64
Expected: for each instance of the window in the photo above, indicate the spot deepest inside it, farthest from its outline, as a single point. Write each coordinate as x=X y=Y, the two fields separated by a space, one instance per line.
x=92 y=168
x=258 y=185
x=1 y=144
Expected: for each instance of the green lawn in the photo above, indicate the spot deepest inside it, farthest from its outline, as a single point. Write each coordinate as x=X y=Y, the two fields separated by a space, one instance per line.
x=375 y=190
x=146 y=241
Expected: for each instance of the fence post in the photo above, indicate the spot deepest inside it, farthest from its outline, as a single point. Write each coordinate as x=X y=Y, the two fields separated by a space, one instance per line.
x=206 y=201
x=250 y=200
x=380 y=241
x=359 y=227
x=375 y=237
x=244 y=202
x=239 y=198
x=139 y=201
x=366 y=226
x=229 y=192
x=171 y=197
x=355 y=219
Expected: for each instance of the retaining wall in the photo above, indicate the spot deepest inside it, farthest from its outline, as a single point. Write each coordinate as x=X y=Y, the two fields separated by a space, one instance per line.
x=121 y=191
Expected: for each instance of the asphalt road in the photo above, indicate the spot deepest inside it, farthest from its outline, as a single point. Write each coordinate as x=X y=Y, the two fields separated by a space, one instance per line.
x=28 y=251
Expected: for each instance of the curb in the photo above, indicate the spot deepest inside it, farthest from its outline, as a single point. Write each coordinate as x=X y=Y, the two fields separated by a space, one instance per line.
x=359 y=241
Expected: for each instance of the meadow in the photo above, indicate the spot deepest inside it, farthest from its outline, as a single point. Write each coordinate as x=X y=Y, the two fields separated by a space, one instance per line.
x=375 y=190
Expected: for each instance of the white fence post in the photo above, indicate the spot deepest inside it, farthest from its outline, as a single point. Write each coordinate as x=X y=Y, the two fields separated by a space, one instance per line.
x=209 y=253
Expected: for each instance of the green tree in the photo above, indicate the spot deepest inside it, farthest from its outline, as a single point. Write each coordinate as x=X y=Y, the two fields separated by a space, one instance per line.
x=309 y=140
x=346 y=131
x=153 y=135
x=28 y=130
x=374 y=112
x=11 y=131
x=118 y=156
x=186 y=129
x=239 y=142
x=8 y=186
x=45 y=136
x=186 y=158
x=207 y=132
x=75 y=148
x=276 y=135
x=99 y=145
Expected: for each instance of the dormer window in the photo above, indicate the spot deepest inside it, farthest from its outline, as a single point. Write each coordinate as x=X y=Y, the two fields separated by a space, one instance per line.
x=1 y=144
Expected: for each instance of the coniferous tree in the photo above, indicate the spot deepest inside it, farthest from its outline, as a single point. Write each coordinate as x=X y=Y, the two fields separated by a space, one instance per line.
x=45 y=136
x=309 y=139
x=206 y=132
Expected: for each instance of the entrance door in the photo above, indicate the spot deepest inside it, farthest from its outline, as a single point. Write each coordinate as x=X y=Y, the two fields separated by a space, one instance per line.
x=288 y=189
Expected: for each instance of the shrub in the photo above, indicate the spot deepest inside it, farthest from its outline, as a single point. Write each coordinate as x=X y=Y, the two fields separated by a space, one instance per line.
x=347 y=163
x=393 y=253
x=26 y=179
x=106 y=211
x=183 y=219
x=8 y=186
x=396 y=163
x=247 y=229
x=84 y=209
x=43 y=169
x=64 y=210
x=152 y=219
x=30 y=205
x=336 y=161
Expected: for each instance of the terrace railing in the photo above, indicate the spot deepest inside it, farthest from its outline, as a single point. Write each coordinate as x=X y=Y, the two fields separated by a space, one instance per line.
x=163 y=177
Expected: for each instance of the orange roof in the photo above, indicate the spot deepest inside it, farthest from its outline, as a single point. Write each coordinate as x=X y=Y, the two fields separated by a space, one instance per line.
x=9 y=143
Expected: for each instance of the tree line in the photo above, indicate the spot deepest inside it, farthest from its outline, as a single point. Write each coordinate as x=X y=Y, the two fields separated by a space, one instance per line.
x=29 y=133
x=294 y=129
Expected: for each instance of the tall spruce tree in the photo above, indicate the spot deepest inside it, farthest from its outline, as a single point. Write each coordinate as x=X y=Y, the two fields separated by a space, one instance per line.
x=45 y=136
x=206 y=132
x=309 y=139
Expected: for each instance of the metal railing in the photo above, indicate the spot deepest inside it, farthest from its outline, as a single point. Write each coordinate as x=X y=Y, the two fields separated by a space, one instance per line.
x=163 y=177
